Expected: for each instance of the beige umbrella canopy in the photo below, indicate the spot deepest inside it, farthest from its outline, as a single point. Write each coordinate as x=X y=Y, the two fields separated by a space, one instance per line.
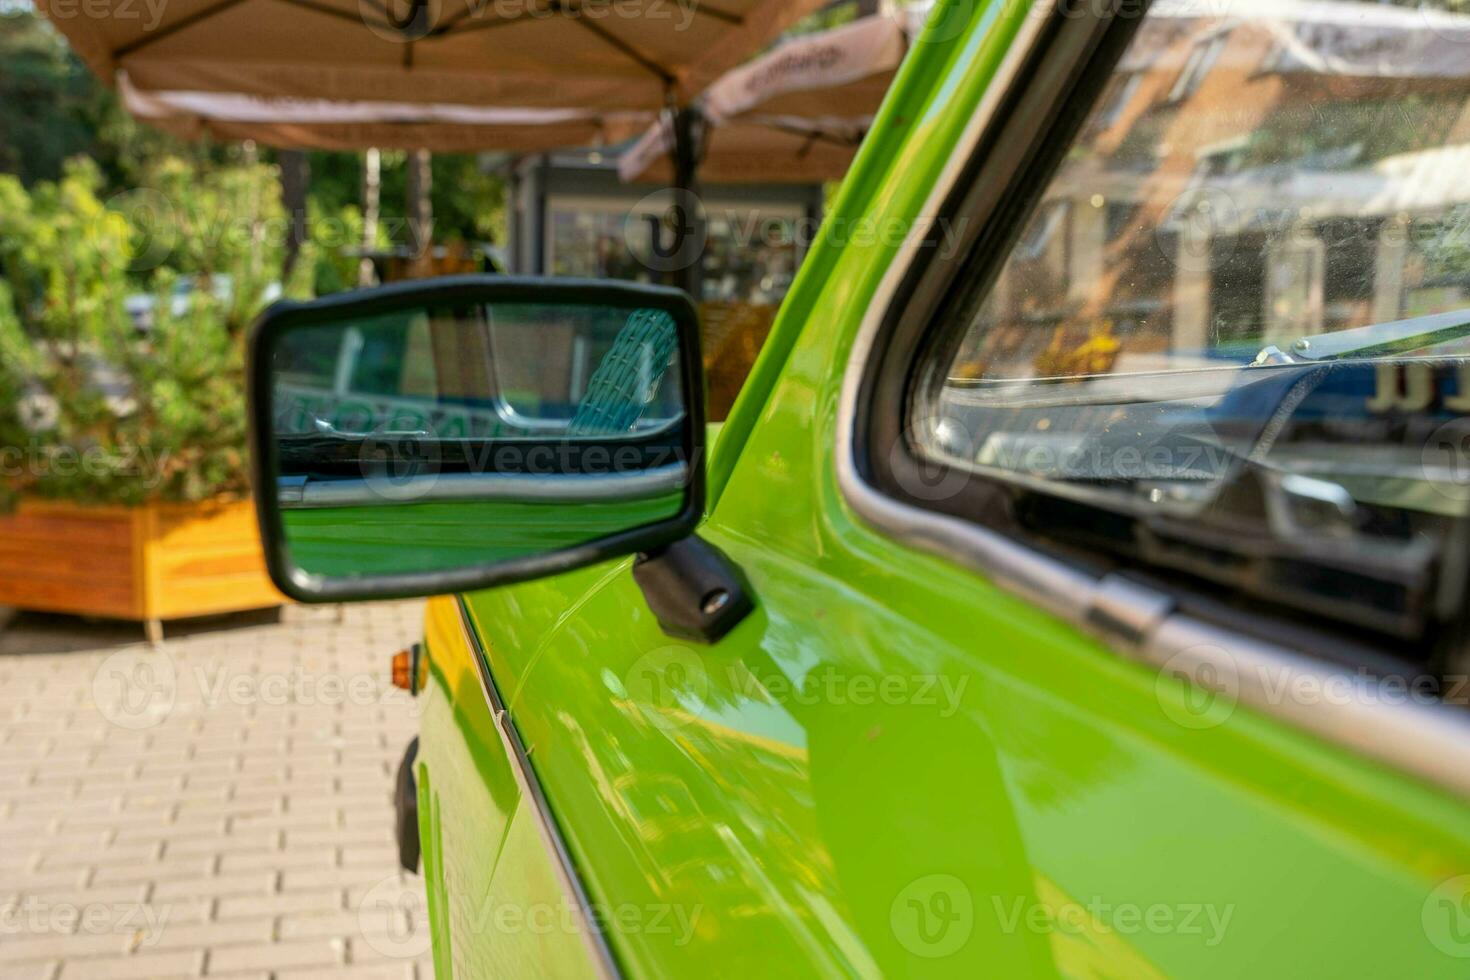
x=761 y=151
x=320 y=124
x=589 y=54
x=797 y=113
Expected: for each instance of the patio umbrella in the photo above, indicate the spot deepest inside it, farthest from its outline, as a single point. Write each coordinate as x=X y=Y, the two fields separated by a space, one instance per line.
x=322 y=124
x=585 y=54
x=797 y=113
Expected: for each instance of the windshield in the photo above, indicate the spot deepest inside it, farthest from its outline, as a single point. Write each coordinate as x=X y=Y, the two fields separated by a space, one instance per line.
x=1240 y=314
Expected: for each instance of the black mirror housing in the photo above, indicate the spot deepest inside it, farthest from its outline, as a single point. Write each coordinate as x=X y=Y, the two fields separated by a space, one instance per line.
x=452 y=434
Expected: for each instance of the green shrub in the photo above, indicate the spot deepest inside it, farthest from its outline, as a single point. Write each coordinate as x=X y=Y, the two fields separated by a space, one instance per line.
x=94 y=410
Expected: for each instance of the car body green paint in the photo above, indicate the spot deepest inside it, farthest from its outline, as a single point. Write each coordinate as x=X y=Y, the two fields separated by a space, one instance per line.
x=893 y=766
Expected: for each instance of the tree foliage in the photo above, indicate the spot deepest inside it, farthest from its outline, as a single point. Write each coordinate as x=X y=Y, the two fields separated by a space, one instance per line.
x=92 y=408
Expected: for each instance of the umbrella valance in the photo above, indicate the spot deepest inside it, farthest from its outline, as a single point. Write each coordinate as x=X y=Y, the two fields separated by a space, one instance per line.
x=592 y=54
x=330 y=125
x=796 y=113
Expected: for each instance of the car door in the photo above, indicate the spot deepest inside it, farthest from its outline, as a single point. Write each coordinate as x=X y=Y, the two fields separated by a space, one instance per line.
x=943 y=745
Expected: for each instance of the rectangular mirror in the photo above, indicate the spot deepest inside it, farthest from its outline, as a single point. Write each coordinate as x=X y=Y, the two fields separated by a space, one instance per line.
x=445 y=435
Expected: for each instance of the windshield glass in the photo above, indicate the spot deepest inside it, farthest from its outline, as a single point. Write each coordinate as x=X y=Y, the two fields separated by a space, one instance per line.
x=1240 y=312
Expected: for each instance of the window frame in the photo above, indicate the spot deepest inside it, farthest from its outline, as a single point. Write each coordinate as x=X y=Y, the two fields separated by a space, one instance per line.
x=995 y=182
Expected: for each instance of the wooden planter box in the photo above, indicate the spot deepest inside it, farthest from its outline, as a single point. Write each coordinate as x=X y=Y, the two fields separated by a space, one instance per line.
x=149 y=563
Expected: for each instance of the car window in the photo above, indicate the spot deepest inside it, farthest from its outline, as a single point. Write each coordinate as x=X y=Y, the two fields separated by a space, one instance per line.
x=1234 y=337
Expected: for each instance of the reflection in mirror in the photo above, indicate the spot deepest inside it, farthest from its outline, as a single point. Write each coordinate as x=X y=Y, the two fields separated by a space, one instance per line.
x=452 y=436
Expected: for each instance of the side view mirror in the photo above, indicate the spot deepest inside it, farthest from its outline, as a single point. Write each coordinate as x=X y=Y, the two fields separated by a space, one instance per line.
x=457 y=433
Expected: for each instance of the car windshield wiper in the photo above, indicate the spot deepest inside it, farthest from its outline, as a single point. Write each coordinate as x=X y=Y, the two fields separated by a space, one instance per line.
x=1378 y=340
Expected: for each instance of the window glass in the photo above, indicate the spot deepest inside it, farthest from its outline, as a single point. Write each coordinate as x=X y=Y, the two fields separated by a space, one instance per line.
x=750 y=257
x=1234 y=338
x=750 y=254
x=507 y=370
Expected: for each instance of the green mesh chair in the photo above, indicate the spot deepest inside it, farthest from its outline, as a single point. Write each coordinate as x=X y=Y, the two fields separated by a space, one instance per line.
x=618 y=391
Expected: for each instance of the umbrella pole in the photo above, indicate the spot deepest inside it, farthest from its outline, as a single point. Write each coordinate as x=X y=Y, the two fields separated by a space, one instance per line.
x=688 y=132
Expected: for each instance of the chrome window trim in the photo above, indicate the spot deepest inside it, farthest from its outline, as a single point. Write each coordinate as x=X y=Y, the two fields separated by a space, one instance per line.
x=299 y=493
x=1428 y=740
x=598 y=948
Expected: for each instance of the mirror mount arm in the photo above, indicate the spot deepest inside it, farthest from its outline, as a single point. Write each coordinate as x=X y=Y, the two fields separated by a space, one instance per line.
x=696 y=592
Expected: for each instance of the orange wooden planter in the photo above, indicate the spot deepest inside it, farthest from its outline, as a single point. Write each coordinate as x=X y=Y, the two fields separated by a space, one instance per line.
x=149 y=563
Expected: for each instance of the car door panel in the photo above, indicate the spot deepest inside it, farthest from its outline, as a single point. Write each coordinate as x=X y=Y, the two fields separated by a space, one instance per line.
x=497 y=903
x=1058 y=787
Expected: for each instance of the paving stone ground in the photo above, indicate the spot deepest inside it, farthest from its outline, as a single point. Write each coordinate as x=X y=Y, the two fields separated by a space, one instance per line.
x=220 y=806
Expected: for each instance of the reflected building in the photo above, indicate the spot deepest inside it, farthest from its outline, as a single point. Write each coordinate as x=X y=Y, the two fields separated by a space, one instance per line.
x=1246 y=179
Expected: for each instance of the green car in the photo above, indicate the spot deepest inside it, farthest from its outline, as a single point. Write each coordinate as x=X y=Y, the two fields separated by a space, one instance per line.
x=1077 y=587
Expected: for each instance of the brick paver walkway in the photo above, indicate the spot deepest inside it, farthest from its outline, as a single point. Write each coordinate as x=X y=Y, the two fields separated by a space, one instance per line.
x=219 y=807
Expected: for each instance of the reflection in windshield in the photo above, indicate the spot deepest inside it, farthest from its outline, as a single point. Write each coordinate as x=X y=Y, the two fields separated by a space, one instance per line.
x=1241 y=312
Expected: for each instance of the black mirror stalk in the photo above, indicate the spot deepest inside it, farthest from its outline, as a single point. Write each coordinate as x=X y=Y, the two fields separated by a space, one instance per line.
x=694 y=590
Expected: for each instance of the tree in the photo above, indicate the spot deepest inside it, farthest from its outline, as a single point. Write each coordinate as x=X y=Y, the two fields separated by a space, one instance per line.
x=468 y=203
x=159 y=413
x=52 y=108
x=44 y=100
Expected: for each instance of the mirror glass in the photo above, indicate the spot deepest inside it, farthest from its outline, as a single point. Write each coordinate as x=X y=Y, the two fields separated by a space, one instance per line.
x=457 y=434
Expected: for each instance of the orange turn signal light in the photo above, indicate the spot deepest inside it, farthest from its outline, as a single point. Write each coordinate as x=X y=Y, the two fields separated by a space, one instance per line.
x=410 y=669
